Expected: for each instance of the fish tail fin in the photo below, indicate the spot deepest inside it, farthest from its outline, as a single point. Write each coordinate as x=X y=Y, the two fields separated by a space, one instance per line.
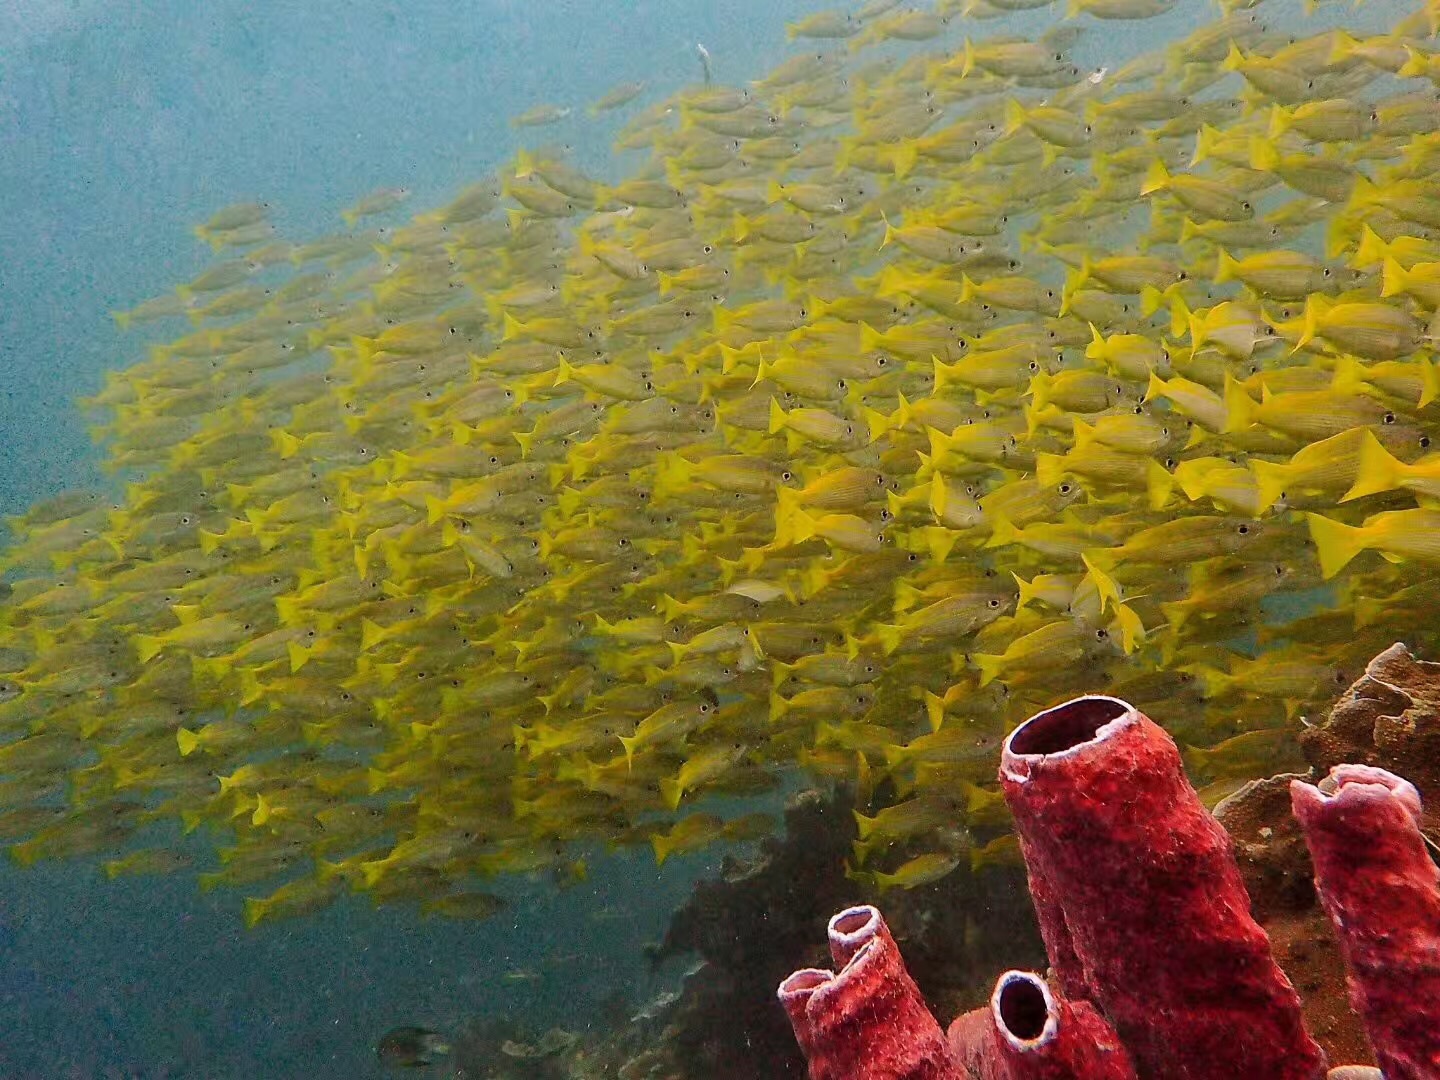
x=989 y=665
x=148 y=646
x=777 y=417
x=1015 y=116
x=1159 y=486
x=906 y=156
x=1414 y=65
x=1335 y=542
x=1226 y=266
x=864 y=826
x=779 y=706
x=802 y=526
x=1370 y=249
x=1002 y=532
x=1264 y=157
x=298 y=654
x=1394 y=278
x=1239 y=407
x=1049 y=469
x=286 y=444
x=1157 y=178
x=1376 y=470
x=888 y=634
x=1270 y=480
x=1281 y=118
x=934 y=710
x=1429 y=381
x=672 y=791
x=187 y=740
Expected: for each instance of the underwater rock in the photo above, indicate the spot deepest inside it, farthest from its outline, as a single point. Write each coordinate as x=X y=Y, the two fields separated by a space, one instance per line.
x=866 y=1020
x=1389 y=718
x=499 y=1048
x=1145 y=906
x=411 y=1047
x=752 y=923
x=747 y=925
x=1382 y=891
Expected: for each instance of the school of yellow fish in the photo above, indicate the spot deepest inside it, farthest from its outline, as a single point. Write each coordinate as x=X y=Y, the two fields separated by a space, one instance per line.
x=914 y=386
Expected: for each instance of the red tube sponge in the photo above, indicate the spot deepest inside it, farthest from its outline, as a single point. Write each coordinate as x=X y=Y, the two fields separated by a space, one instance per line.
x=1382 y=891
x=1038 y=1036
x=868 y=1021
x=1149 y=899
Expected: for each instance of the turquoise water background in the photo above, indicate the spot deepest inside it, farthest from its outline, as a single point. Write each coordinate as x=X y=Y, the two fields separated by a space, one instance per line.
x=121 y=124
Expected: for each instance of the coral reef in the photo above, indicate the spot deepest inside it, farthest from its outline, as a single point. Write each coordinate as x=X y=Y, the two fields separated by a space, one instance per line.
x=745 y=925
x=1147 y=925
x=753 y=922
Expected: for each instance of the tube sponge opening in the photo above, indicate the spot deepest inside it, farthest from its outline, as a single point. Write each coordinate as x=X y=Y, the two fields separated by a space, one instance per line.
x=1066 y=726
x=1022 y=1009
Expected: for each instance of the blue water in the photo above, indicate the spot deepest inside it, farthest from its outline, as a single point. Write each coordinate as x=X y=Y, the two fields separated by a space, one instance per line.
x=122 y=124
